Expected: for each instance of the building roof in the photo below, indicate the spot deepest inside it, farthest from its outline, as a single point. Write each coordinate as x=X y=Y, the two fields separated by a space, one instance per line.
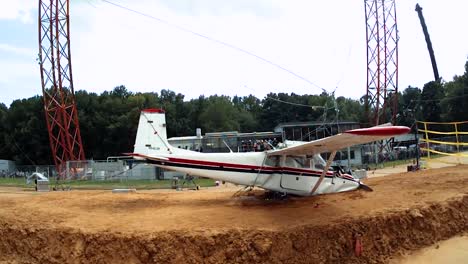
x=314 y=123
x=184 y=138
x=221 y=134
x=229 y=134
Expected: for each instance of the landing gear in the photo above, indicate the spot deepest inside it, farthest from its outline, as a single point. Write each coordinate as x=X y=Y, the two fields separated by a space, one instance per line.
x=244 y=191
x=272 y=195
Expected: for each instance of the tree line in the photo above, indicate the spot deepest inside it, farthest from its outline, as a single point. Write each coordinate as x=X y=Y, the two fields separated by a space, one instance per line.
x=108 y=121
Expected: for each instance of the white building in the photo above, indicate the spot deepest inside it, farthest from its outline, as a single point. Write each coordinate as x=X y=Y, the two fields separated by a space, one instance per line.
x=6 y=167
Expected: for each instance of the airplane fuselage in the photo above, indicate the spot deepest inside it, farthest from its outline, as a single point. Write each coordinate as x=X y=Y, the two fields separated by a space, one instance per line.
x=297 y=168
x=289 y=174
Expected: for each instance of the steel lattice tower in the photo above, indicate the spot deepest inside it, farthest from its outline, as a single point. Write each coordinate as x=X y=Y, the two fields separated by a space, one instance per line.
x=382 y=61
x=57 y=83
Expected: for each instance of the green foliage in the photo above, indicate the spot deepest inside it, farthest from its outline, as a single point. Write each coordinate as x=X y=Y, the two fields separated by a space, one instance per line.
x=4 y=147
x=350 y=110
x=431 y=96
x=26 y=133
x=455 y=103
x=409 y=106
x=220 y=115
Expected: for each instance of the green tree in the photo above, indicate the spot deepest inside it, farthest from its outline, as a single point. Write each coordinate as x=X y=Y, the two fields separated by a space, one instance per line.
x=220 y=115
x=349 y=109
x=432 y=94
x=27 y=132
x=249 y=110
x=409 y=106
x=4 y=146
x=455 y=102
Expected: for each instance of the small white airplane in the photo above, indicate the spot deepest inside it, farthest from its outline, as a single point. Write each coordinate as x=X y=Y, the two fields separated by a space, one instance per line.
x=298 y=169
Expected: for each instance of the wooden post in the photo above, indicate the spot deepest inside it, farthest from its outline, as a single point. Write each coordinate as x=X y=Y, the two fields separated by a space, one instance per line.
x=458 y=142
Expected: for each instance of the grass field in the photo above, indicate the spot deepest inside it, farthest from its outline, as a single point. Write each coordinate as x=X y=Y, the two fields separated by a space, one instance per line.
x=90 y=185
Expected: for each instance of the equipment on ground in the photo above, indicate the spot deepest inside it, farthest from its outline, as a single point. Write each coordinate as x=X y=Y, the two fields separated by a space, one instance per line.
x=41 y=182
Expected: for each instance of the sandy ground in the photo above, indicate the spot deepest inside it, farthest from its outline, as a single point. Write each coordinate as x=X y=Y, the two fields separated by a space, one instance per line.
x=406 y=211
x=451 y=251
x=432 y=163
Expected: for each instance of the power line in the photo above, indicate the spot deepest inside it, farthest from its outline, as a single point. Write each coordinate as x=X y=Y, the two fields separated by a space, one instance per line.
x=89 y=2
x=216 y=41
x=297 y=104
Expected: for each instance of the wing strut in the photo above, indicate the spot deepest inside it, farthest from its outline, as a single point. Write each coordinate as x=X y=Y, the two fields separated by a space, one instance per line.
x=260 y=170
x=324 y=172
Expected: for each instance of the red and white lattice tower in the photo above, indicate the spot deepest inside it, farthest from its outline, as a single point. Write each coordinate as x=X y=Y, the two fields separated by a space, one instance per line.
x=57 y=83
x=382 y=61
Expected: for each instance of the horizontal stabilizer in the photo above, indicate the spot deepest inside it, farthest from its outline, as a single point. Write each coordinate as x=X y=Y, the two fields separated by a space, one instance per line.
x=142 y=156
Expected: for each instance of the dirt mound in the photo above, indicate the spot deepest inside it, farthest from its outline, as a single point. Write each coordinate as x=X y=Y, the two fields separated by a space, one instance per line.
x=405 y=212
x=381 y=236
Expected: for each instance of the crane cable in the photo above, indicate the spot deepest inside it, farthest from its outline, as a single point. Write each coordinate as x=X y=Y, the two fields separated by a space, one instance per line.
x=214 y=40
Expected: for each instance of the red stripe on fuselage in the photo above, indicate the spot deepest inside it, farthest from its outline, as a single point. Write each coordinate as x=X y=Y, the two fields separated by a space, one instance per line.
x=243 y=166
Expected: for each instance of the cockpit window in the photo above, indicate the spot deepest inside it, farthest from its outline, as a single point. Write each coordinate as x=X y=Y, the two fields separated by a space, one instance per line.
x=273 y=161
x=297 y=162
x=318 y=162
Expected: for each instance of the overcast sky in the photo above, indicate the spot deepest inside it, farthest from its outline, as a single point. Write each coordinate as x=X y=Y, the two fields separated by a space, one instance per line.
x=323 y=41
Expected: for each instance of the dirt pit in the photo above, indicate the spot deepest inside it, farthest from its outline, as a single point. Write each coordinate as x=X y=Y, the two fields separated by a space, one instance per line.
x=406 y=211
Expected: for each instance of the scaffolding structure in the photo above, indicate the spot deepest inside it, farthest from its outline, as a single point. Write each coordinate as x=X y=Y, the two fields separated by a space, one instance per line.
x=57 y=83
x=382 y=61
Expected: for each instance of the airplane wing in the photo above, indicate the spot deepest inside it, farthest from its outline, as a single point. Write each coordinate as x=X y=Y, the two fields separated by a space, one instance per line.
x=343 y=140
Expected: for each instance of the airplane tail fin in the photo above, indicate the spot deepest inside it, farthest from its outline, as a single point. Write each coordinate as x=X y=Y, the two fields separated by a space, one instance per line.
x=151 y=134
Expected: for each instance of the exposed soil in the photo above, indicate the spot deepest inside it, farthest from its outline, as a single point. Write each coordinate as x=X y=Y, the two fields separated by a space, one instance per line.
x=406 y=211
x=452 y=251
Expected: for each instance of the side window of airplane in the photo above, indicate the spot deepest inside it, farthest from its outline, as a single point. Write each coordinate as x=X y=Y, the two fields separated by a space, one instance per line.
x=297 y=162
x=318 y=162
x=273 y=161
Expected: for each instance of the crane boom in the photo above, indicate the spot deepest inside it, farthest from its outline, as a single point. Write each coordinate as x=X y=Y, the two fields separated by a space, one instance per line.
x=428 y=42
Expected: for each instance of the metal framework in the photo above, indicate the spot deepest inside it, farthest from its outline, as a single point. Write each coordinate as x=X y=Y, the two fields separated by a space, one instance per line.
x=57 y=83
x=382 y=61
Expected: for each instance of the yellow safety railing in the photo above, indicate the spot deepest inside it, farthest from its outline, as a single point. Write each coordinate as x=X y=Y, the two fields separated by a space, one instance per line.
x=440 y=147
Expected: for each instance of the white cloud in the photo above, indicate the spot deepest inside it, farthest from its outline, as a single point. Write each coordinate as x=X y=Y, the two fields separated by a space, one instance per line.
x=18 y=80
x=22 y=10
x=17 y=50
